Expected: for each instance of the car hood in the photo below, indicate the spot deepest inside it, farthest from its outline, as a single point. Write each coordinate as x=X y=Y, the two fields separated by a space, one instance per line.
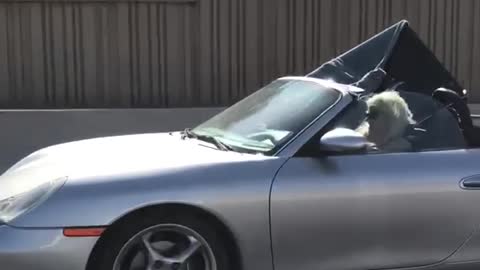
x=113 y=156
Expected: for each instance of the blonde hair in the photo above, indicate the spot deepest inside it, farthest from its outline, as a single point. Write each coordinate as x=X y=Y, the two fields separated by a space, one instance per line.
x=393 y=108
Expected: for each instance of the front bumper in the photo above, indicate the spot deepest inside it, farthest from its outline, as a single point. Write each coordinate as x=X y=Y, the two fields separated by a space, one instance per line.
x=42 y=249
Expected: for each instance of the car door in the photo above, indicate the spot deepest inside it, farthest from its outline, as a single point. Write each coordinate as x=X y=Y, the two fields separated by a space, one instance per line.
x=375 y=211
x=378 y=210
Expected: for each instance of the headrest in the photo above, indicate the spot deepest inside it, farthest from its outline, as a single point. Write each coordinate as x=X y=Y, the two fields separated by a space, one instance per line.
x=447 y=96
x=458 y=103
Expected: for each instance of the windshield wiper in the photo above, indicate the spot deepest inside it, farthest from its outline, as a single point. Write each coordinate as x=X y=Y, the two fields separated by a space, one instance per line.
x=188 y=133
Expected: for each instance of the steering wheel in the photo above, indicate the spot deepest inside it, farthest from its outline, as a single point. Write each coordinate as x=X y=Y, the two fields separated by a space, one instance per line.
x=262 y=137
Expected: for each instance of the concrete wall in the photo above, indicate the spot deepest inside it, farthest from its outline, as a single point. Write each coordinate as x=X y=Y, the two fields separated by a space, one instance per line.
x=22 y=132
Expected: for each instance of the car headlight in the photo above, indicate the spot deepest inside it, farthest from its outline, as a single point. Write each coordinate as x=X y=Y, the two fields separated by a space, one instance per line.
x=15 y=206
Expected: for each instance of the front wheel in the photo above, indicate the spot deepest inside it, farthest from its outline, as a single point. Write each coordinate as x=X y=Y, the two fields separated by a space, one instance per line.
x=178 y=243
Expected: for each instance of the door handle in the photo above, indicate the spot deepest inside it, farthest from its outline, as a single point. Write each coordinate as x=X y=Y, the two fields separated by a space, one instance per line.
x=471 y=182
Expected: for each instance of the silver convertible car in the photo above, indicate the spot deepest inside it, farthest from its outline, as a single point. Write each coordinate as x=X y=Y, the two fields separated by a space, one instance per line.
x=281 y=180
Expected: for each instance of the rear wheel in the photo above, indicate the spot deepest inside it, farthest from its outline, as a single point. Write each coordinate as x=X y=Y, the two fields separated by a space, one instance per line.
x=176 y=243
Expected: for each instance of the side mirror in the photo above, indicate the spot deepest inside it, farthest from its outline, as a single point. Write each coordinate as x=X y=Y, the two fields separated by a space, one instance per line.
x=344 y=140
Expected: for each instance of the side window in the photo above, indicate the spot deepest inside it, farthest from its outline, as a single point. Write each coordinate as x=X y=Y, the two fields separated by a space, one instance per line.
x=402 y=122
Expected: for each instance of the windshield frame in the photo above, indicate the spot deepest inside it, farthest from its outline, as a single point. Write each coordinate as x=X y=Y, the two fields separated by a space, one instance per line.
x=341 y=90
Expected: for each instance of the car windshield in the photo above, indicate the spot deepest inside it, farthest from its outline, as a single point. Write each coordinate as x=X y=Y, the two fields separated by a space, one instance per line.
x=268 y=118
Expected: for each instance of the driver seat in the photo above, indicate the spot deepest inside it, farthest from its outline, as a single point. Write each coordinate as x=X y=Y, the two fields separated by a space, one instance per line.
x=435 y=127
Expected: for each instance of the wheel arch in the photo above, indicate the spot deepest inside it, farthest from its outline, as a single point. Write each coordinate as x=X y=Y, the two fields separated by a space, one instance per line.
x=170 y=209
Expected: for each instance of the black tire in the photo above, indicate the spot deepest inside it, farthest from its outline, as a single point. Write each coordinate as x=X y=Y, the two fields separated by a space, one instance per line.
x=105 y=254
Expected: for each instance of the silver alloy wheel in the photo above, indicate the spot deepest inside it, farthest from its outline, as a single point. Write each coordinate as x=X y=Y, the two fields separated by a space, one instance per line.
x=166 y=247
